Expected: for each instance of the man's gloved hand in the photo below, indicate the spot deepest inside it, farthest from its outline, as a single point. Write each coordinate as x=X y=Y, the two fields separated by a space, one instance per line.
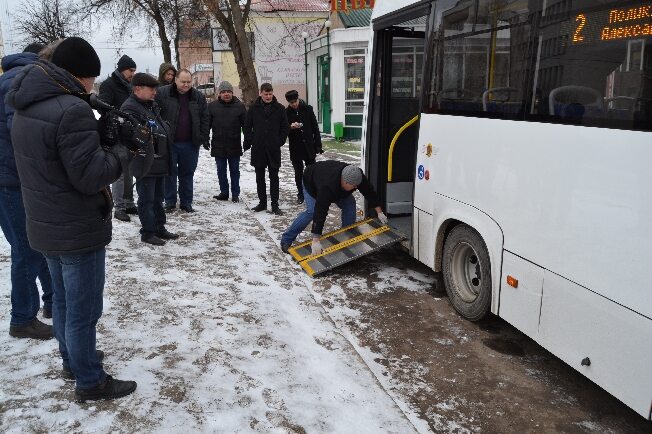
x=382 y=217
x=207 y=146
x=316 y=247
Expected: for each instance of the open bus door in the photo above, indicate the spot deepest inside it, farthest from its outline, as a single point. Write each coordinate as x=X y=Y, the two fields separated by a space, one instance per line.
x=392 y=129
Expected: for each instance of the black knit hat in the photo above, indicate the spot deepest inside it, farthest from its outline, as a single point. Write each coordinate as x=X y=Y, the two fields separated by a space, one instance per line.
x=126 y=62
x=34 y=47
x=291 y=95
x=144 y=79
x=78 y=57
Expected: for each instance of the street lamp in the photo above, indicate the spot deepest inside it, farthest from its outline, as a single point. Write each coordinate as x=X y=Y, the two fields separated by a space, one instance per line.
x=327 y=26
x=304 y=35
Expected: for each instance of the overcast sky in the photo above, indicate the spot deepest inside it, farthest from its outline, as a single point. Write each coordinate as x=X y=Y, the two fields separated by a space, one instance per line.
x=109 y=51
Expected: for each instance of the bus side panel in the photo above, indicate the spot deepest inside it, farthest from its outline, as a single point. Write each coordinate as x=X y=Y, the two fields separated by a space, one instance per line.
x=445 y=210
x=577 y=324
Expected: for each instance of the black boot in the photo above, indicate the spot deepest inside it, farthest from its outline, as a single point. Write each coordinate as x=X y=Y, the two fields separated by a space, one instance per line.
x=260 y=207
x=222 y=196
x=121 y=215
x=34 y=330
x=153 y=240
x=276 y=210
x=132 y=210
x=110 y=389
x=167 y=235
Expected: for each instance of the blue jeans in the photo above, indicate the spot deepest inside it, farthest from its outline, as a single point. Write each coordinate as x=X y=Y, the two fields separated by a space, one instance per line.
x=184 y=157
x=26 y=263
x=347 y=205
x=234 y=172
x=78 y=282
x=150 y=210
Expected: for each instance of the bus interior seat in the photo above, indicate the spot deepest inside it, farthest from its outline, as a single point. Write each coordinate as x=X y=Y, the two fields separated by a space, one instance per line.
x=621 y=107
x=502 y=100
x=457 y=99
x=576 y=102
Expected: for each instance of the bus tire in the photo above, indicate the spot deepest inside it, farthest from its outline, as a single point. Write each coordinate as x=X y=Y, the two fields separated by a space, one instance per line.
x=467 y=272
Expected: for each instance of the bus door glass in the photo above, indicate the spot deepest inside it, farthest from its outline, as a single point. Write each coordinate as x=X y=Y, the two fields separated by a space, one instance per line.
x=397 y=99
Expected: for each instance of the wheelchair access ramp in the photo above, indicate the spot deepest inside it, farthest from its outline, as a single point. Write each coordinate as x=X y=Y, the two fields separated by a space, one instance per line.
x=345 y=245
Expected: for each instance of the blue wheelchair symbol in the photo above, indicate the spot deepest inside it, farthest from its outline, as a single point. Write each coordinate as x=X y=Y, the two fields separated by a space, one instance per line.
x=421 y=171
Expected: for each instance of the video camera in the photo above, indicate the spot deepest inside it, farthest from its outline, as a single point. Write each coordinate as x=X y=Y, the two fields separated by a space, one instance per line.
x=116 y=126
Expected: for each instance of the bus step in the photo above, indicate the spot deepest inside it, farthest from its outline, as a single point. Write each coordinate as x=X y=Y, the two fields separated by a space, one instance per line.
x=345 y=245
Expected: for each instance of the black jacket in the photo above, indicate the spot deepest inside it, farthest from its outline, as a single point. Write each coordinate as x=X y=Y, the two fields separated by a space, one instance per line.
x=167 y=98
x=147 y=112
x=115 y=90
x=265 y=131
x=11 y=65
x=305 y=142
x=322 y=181
x=226 y=120
x=62 y=168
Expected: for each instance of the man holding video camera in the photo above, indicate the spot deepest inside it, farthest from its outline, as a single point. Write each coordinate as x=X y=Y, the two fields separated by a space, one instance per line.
x=64 y=175
x=150 y=180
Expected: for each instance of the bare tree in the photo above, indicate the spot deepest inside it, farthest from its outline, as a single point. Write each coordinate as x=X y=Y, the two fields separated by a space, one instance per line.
x=45 y=21
x=164 y=18
x=232 y=15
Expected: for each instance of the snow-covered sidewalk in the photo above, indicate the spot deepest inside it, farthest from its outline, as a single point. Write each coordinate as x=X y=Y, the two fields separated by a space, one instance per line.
x=220 y=330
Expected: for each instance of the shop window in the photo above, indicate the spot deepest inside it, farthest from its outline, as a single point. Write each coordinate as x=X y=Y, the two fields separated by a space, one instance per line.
x=354 y=66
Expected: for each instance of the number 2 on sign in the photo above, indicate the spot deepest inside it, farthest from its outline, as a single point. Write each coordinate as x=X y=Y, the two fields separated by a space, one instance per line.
x=577 y=36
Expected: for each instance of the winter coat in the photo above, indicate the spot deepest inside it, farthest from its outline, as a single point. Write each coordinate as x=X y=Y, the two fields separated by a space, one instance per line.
x=115 y=89
x=226 y=120
x=265 y=132
x=64 y=173
x=167 y=98
x=165 y=67
x=305 y=142
x=148 y=112
x=322 y=181
x=11 y=65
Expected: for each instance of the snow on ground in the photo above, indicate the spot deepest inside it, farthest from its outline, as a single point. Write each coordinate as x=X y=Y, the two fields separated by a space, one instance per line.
x=220 y=330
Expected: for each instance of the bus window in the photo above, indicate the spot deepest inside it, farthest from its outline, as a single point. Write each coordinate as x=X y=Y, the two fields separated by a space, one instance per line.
x=481 y=58
x=593 y=66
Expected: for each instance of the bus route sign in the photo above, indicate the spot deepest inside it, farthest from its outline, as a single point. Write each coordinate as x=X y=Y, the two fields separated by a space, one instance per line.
x=613 y=24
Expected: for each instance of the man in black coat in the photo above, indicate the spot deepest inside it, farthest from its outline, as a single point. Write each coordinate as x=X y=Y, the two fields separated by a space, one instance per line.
x=324 y=183
x=305 y=140
x=142 y=106
x=26 y=264
x=114 y=91
x=64 y=175
x=227 y=118
x=266 y=130
x=186 y=110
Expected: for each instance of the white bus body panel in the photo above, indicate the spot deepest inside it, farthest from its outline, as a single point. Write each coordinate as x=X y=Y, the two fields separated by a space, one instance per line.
x=577 y=323
x=574 y=200
x=571 y=202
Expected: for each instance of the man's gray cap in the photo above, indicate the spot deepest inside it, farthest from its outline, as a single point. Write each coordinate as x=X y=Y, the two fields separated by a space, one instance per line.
x=225 y=86
x=352 y=175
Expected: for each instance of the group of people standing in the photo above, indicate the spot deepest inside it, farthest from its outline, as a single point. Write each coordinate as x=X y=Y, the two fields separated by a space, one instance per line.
x=55 y=201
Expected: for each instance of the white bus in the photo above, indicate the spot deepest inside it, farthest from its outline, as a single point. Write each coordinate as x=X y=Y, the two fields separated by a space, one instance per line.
x=511 y=139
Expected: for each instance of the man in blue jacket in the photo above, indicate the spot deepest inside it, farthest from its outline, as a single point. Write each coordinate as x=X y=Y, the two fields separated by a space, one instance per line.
x=26 y=263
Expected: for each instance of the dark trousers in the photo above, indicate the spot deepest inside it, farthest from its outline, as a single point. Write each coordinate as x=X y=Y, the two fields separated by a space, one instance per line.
x=150 y=209
x=297 y=164
x=26 y=264
x=234 y=171
x=184 y=157
x=262 y=187
x=78 y=282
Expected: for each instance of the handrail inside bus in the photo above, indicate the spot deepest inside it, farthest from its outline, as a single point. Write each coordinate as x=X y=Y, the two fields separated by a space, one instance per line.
x=391 y=146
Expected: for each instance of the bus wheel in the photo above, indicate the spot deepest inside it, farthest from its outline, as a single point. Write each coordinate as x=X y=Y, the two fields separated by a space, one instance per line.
x=467 y=272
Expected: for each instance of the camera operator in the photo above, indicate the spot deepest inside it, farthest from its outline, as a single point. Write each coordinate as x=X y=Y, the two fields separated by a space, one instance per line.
x=142 y=107
x=64 y=175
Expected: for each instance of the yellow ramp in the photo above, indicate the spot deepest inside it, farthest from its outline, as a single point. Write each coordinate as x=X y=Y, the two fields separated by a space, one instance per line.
x=345 y=245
